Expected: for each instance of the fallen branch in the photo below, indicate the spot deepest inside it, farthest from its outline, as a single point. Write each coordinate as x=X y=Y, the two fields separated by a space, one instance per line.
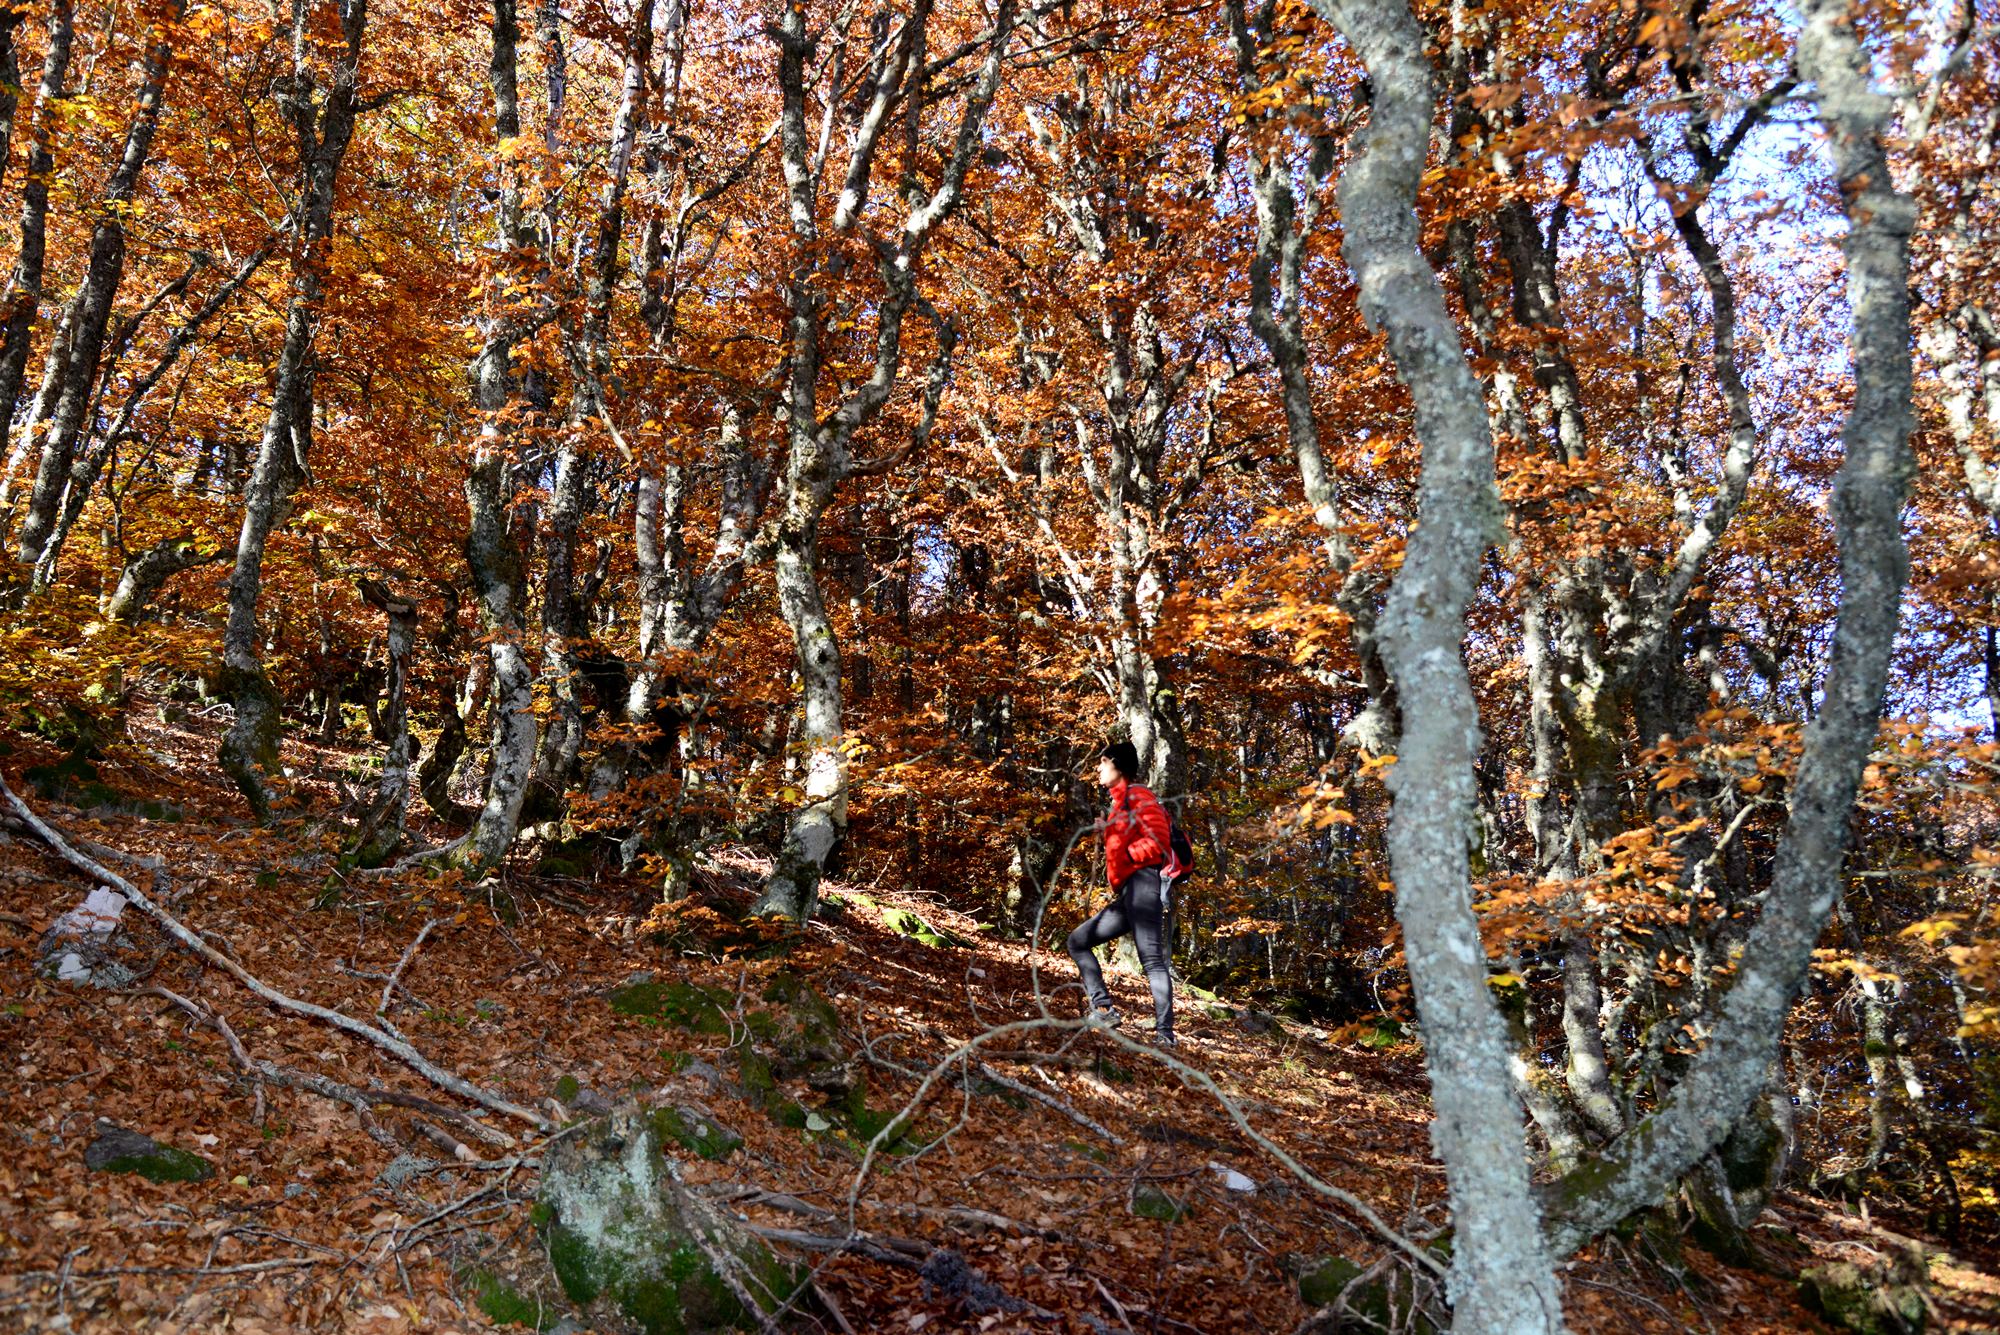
x=1196 y=1076
x=395 y=1047
x=1049 y=1101
x=832 y=1307
x=445 y=1141
x=905 y=1252
x=354 y=1098
x=214 y=1019
x=389 y=988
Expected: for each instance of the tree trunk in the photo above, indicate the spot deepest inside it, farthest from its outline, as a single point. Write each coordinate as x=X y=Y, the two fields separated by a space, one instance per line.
x=89 y=463
x=101 y=278
x=1502 y=1278
x=148 y=573
x=563 y=616
x=249 y=753
x=818 y=457
x=10 y=86
x=816 y=825
x=1727 y=1075
x=491 y=550
x=440 y=763
x=382 y=826
x=23 y=295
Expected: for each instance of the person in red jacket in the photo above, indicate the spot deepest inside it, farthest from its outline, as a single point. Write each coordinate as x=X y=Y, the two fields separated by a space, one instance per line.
x=1137 y=854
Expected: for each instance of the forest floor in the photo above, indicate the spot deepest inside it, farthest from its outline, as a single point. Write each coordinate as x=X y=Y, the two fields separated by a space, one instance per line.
x=312 y=1223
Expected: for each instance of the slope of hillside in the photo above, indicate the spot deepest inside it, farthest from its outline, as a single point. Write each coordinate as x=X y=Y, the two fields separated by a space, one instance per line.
x=1053 y=1178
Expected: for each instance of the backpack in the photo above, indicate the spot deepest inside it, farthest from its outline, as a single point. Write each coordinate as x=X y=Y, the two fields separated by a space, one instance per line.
x=1179 y=866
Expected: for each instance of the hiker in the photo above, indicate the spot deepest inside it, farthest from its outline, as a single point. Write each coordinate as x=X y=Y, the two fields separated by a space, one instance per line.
x=1138 y=857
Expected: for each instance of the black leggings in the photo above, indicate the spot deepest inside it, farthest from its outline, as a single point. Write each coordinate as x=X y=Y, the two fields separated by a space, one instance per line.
x=1137 y=910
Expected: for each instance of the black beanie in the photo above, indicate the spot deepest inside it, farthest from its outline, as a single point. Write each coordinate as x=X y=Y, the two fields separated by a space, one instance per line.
x=1125 y=757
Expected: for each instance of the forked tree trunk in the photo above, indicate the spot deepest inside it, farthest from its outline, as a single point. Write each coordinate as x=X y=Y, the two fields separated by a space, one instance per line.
x=1728 y=1074
x=818 y=457
x=563 y=611
x=249 y=753
x=88 y=465
x=491 y=550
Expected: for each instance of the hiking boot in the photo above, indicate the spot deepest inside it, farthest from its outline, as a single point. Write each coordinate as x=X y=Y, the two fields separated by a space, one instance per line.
x=1167 y=1041
x=1103 y=1017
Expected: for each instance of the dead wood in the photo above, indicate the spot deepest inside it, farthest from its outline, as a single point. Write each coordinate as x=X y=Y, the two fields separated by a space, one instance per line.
x=389 y=1043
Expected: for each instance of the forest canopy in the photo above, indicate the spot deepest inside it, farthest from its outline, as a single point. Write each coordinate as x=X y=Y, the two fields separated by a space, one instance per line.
x=1526 y=482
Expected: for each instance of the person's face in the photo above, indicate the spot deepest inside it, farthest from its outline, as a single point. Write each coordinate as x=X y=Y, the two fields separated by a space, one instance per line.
x=1107 y=773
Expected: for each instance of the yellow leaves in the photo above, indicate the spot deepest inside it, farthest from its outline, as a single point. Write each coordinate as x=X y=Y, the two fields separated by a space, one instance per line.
x=1673 y=776
x=1931 y=930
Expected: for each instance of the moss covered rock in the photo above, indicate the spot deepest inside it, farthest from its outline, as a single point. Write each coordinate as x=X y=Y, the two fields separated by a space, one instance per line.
x=905 y=922
x=1383 y=1302
x=1150 y=1202
x=639 y=1253
x=116 y=1150
x=703 y=1010
x=1322 y=1282
x=1867 y=1301
x=505 y=1305
x=696 y=1131
x=801 y=1029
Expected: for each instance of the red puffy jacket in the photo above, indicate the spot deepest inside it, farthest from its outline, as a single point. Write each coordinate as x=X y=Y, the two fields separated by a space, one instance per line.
x=1136 y=833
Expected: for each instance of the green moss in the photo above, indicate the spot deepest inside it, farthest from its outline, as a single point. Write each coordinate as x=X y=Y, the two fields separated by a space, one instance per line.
x=1324 y=1282
x=576 y=1266
x=1150 y=1202
x=703 y=1010
x=905 y=923
x=504 y=1305
x=167 y=1164
x=1377 y=1305
x=668 y=1289
x=1859 y=1300
x=692 y=1131
x=567 y=1089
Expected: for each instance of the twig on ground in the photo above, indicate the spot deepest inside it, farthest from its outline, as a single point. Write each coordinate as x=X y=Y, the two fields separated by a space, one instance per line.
x=832 y=1308
x=246 y=1268
x=1196 y=1076
x=775 y=1200
x=903 y=1252
x=1050 y=1101
x=395 y=975
x=214 y=1019
x=1624 y=1292
x=445 y=1141
x=367 y=1033
x=1116 y=1306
